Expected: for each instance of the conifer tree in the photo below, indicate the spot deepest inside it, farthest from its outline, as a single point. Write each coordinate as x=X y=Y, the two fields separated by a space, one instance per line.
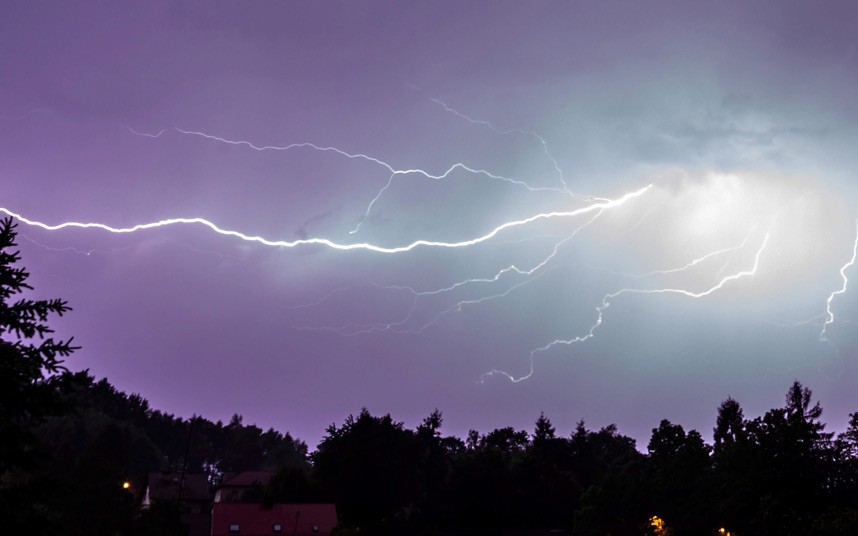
x=31 y=369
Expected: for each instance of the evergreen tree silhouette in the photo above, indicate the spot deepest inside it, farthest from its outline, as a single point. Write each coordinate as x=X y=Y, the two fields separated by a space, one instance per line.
x=31 y=370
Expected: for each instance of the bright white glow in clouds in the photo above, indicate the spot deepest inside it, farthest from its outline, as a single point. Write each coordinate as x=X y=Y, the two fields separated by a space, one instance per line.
x=693 y=214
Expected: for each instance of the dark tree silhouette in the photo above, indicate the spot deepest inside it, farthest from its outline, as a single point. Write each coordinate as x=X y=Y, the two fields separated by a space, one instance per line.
x=799 y=411
x=612 y=473
x=550 y=490
x=729 y=425
x=681 y=479
x=544 y=432
x=30 y=360
x=736 y=463
x=848 y=440
x=793 y=457
x=32 y=385
x=433 y=470
x=506 y=440
x=368 y=467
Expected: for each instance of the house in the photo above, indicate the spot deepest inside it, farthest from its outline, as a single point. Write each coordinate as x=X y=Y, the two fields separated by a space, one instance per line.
x=189 y=494
x=231 y=519
x=235 y=485
x=193 y=490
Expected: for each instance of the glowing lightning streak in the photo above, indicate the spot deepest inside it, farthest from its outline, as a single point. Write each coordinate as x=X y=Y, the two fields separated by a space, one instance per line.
x=694 y=262
x=358 y=156
x=330 y=243
x=598 y=206
x=89 y=252
x=512 y=131
x=639 y=222
x=58 y=250
x=823 y=335
x=24 y=115
x=458 y=306
x=342 y=290
x=606 y=302
x=136 y=133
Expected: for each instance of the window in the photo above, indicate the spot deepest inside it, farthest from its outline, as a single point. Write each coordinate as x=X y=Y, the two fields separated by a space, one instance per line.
x=233 y=528
x=277 y=528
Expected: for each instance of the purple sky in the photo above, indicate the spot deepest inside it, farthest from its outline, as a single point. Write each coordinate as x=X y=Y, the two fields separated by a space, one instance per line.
x=741 y=120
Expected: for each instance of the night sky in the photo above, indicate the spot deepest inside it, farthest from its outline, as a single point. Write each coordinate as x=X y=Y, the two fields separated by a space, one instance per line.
x=610 y=211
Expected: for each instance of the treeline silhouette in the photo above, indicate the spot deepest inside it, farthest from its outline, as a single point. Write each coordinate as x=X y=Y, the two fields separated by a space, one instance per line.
x=780 y=473
x=68 y=443
x=79 y=460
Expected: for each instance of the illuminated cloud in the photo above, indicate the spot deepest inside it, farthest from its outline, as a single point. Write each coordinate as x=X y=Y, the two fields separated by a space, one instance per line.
x=639 y=209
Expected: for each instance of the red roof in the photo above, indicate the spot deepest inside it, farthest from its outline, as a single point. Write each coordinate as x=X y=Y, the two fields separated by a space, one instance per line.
x=254 y=520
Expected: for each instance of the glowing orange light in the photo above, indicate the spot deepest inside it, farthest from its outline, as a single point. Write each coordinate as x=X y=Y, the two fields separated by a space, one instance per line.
x=658 y=526
x=126 y=485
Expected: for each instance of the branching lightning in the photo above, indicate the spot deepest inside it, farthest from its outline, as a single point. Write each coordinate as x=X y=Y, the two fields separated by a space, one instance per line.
x=509 y=278
x=606 y=302
x=823 y=335
x=393 y=172
x=396 y=326
x=694 y=262
x=330 y=243
x=531 y=133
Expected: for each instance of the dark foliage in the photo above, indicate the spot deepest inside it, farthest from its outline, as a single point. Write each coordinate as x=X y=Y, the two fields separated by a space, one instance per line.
x=31 y=382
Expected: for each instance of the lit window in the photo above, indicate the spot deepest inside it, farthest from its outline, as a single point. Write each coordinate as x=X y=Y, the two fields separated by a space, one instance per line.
x=277 y=528
x=233 y=528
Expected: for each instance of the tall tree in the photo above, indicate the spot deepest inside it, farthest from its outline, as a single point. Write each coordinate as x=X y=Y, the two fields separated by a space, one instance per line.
x=729 y=425
x=31 y=387
x=544 y=431
x=801 y=414
x=682 y=487
x=549 y=490
x=368 y=467
x=611 y=472
x=794 y=456
x=30 y=359
x=736 y=468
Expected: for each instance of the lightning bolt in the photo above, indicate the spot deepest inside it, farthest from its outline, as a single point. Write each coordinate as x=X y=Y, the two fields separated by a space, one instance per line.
x=511 y=131
x=146 y=134
x=606 y=302
x=357 y=329
x=330 y=243
x=89 y=252
x=823 y=335
x=593 y=209
x=24 y=115
x=393 y=172
x=694 y=262
x=640 y=221
x=353 y=329
x=74 y=250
